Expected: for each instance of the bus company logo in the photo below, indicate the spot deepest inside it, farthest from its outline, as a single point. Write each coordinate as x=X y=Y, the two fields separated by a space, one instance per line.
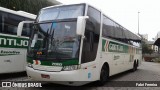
x=114 y=47
x=13 y=42
x=109 y=46
x=106 y=46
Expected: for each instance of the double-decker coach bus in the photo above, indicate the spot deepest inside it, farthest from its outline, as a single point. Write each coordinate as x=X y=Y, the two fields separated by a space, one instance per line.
x=77 y=42
x=13 y=49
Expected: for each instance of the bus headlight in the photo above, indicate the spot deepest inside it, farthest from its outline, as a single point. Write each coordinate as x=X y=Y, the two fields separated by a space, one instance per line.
x=70 y=68
x=30 y=65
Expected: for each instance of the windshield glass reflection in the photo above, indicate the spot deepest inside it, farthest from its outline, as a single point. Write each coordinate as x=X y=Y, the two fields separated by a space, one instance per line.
x=55 y=40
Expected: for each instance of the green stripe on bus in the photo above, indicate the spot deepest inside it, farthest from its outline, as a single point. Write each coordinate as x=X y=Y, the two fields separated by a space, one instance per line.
x=52 y=63
x=110 y=46
x=103 y=44
x=13 y=42
x=70 y=62
x=30 y=60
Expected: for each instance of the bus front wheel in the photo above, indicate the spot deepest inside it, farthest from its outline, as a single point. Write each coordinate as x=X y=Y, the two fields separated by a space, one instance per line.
x=104 y=75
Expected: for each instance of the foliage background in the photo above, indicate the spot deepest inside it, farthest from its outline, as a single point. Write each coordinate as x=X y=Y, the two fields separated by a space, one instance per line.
x=146 y=49
x=31 y=6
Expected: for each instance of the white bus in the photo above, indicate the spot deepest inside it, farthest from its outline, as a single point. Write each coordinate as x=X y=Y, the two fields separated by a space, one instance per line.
x=13 y=49
x=77 y=42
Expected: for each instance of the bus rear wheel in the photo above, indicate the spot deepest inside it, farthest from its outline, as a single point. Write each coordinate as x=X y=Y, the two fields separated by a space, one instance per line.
x=134 y=67
x=104 y=75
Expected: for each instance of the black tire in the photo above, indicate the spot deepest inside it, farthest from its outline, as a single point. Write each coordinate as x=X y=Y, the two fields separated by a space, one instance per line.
x=134 y=67
x=137 y=63
x=104 y=75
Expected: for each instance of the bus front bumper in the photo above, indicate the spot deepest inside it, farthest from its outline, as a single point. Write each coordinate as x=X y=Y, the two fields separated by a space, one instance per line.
x=74 y=78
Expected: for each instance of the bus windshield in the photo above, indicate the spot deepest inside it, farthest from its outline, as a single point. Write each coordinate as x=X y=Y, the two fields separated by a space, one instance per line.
x=61 y=12
x=55 y=41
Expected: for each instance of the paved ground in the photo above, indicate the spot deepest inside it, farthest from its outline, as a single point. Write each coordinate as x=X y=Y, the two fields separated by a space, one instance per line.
x=148 y=71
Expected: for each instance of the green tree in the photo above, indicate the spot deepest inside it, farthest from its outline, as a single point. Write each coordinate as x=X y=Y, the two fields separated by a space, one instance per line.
x=31 y=6
x=146 y=48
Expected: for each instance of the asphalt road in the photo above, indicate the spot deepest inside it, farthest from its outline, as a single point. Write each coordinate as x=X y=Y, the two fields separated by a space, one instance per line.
x=148 y=71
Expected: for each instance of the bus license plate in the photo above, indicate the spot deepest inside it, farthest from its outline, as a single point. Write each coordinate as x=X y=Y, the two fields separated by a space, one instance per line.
x=45 y=76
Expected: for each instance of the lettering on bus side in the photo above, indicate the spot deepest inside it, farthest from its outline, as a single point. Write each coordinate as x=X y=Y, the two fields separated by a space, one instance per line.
x=113 y=47
x=109 y=46
x=6 y=52
x=13 y=42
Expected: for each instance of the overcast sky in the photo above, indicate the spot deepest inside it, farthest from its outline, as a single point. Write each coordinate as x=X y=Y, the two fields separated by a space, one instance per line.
x=125 y=12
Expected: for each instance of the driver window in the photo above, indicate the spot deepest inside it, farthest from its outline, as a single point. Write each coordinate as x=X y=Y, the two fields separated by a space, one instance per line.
x=90 y=43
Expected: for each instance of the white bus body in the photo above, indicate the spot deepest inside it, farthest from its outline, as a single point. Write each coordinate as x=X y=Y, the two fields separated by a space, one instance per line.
x=13 y=49
x=104 y=47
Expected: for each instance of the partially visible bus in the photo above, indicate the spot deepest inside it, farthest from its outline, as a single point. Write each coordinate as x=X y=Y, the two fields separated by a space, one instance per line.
x=76 y=44
x=13 y=49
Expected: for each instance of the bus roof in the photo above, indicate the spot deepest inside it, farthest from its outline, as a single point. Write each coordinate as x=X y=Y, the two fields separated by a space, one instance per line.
x=132 y=35
x=20 y=13
x=61 y=5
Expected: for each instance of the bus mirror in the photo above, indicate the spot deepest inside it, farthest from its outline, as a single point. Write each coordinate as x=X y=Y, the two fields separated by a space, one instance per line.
x=34 y=40
x=20 y=27
x=81 y=24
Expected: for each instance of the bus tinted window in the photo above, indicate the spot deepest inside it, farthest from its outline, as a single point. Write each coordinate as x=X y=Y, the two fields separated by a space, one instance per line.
x=107 y=28
x=0 y=21
x=94 y=20
x=27 y=30
x=9 y=23
x=90 y=44
x=61 y=12
x=114 y=31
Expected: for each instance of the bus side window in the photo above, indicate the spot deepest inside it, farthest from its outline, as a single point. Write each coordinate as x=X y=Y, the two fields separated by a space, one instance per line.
x=1 y=22
x=27 y=29
x=9 y=23
x=12 y=22
x=89 y=41
x=92 y=31
x=113 y=31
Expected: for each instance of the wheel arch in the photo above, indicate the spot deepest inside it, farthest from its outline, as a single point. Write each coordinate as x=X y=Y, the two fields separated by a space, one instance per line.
x=107 y=65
